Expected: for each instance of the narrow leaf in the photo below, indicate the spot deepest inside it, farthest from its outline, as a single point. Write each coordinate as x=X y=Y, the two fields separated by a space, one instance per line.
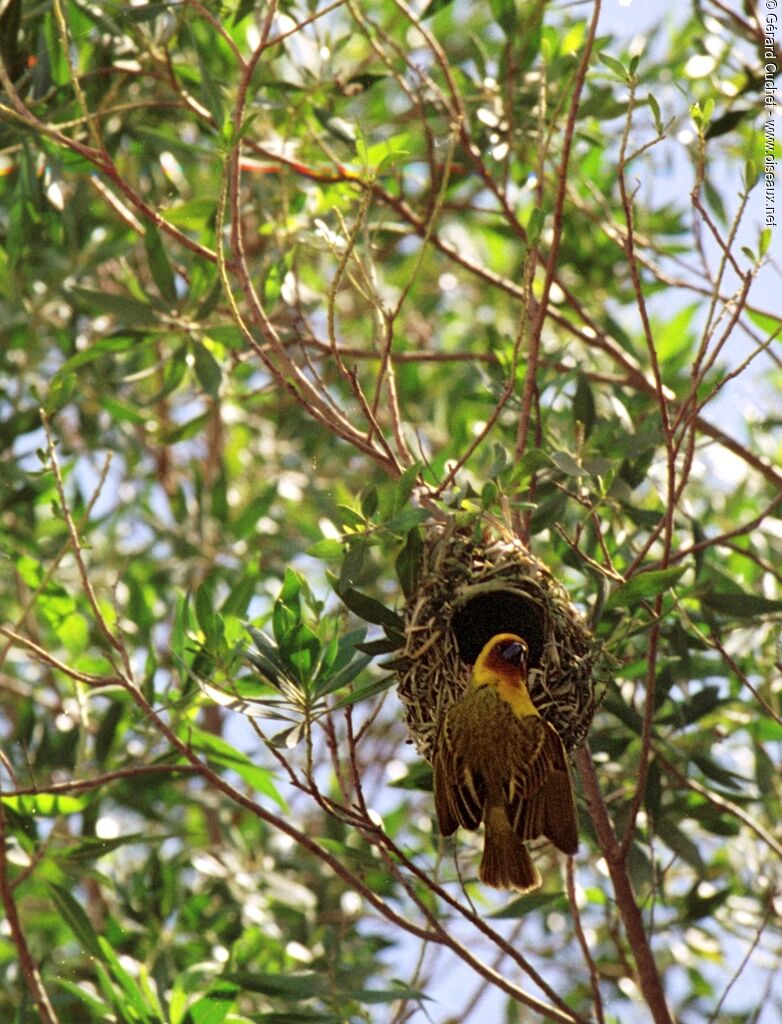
x=644 y=586
x=740 y=604
x=207 y=370
x=365 y=692
x=369 y=609
x=74 y=916
x=46 y=805
x=221 y=752
x=614 y=65
x=159 y=264
x=408 y=562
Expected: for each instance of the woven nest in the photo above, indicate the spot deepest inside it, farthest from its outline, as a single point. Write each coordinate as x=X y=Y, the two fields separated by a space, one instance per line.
x=476 y=581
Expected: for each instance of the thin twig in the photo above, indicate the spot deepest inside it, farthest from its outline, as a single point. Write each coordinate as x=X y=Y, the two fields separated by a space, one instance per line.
x=29 y=968
x=541 y=311
x=85 y=785
x=715 y=1015
x=589 y=960
x=648 y=975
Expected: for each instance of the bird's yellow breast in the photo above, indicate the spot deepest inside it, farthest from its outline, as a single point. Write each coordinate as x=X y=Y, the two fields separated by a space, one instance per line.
x=517 y=695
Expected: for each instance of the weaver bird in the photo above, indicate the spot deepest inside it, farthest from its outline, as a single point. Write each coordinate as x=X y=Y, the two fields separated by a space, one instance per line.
x=498 y=762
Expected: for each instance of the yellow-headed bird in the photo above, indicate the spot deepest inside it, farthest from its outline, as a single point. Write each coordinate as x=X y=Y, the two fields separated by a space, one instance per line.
x=498 y=762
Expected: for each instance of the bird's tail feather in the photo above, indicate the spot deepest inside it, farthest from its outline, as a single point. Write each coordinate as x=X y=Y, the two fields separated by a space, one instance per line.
x=506 y=863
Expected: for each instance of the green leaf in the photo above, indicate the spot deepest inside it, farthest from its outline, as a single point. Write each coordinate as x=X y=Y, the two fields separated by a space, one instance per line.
x=205 y=610
x=267 y=658
x=500 y=461
x=351 y=518
x=615 y=703
x=300 y=648
x=369 y=609
x=290 y=594
x=365 y=692
x=653 y=792
x=159 y=265
x=644 y=586
x=728 y=121
x=673 y=339
x=219 y=751
x=751 y=175
x=345 y=665
x=328 y=549
x=125 y=309
x=697 y=907
x=120 y=412
x=533 y=902
x=405 y=485
x=567 y=464
x=91 y=848
x=386 y=151
x=715 y=200
x=584 y=403
x=701 y=704
x=434 y=7
x=345 y=675
x=654 y=106
x=740 y=605
x=354 y=562
x=131 y=993
x=506 y=15
x=391 y=642
x=382 y=996
x=297 y=1016
x=614 y=65
x=74 y=916
x=718 y=774
x=185 y=430
x=405 y=520
x=106 y=732
x=418 y=776
x=207 y=369
x=239 y=599
x=369 y=502
x=244 y=8
x=46 y=805
x=408 y=562
x=295 y=986
x=210 y=89
x=174 y=372
x=214 y=1007
x=534 y=460
x=104 y=347
x=272 y=283
x=146 y=12
x=535 y=226
x=99 y=1007
x=679 y=842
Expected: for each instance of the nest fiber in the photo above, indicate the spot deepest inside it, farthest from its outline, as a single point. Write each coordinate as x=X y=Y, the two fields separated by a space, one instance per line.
x=475 y=581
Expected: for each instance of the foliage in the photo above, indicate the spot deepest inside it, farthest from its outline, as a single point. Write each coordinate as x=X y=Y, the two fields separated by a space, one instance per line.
x=279 y=281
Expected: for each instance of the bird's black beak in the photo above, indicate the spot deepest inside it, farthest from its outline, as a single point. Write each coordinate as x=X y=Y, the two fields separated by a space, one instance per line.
x=515 y=653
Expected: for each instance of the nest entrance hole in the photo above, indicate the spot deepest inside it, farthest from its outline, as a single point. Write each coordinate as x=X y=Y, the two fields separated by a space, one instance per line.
x=502 y=611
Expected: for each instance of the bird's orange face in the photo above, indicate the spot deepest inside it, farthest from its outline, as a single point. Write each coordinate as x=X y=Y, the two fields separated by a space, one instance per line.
x=507 y=655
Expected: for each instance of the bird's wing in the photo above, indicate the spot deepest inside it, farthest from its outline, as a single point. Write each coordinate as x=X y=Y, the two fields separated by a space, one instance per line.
x=560 y=824
x=459 y=791
x=549 y=809
x=530 y=757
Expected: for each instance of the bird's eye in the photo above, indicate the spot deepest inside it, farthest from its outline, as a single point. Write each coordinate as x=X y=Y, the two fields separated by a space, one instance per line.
x=514 y=653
